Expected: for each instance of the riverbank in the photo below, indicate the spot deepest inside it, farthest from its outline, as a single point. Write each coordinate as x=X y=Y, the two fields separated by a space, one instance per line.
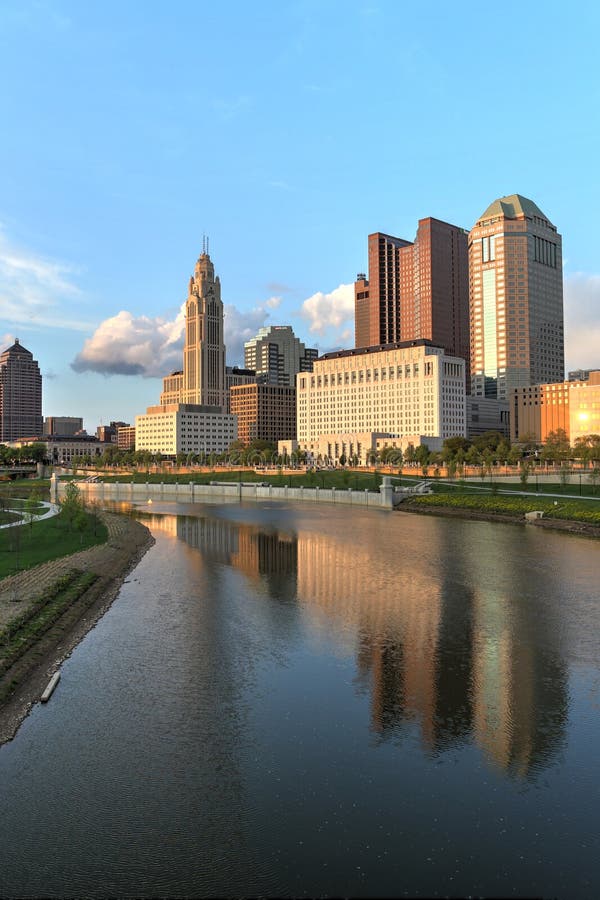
x=564 y=525
x=128 y=540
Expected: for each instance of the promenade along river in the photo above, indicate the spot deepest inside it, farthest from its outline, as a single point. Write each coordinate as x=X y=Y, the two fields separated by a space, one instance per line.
x=298 y=700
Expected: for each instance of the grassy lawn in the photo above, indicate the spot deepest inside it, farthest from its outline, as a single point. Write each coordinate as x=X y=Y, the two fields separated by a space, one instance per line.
x=499 y=484
x=29 y=545
x=23 y=487
x=16 y=503
x=569 y=509
x=7 y=517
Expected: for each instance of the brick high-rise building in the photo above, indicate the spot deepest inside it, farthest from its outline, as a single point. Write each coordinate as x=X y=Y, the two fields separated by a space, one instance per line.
x=416 y=290
x=264 y=412
x=20 y=394
x=516 y=299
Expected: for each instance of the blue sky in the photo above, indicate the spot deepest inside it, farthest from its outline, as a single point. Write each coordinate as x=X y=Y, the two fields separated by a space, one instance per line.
x=286 y=132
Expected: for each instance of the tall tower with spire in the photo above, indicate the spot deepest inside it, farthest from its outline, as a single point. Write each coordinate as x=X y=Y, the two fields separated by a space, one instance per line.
x=202 y=381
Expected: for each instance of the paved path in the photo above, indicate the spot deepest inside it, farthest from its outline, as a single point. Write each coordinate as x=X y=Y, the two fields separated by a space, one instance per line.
x=51 y=509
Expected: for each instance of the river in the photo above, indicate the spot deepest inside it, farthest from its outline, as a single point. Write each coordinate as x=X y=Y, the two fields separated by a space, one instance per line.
x=290 y=701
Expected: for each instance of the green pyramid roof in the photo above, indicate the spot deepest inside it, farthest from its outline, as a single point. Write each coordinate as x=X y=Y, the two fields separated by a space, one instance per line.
x=513 y=207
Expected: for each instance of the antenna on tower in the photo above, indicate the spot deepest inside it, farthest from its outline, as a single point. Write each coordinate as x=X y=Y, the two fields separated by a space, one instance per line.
x=207 y=253
x=203 y=244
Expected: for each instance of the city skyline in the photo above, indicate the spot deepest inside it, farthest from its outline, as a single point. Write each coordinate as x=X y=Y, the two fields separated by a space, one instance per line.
x=114 y=167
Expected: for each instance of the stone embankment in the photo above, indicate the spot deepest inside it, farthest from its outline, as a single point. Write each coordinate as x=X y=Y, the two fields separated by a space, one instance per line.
x=127 y=542
x=217 y=492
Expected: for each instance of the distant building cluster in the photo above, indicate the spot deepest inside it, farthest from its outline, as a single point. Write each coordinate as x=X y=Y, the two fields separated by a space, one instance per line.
x=456 y=333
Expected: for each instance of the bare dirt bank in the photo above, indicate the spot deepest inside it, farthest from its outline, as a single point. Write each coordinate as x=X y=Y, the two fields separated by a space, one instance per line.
x=128 y=540
x=475 y=515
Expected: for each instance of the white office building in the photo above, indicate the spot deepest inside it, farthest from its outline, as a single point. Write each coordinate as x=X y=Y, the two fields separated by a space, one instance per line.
x=411 y=391
x=184 y=428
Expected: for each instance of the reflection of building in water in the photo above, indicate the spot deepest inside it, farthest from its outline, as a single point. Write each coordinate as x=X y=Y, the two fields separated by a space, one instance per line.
x=434 y=651
x=268 y=556
x=519 y=690
x=396 y=609
x=461 y=662
x=520 y=698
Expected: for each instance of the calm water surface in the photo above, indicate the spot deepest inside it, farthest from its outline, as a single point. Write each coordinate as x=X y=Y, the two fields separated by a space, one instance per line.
x=299 y=701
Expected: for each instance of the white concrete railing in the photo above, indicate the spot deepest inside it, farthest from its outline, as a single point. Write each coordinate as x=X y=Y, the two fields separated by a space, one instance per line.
x=192 y=492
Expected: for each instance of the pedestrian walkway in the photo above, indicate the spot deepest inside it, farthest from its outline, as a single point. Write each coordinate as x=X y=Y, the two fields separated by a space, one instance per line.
x=51 y=509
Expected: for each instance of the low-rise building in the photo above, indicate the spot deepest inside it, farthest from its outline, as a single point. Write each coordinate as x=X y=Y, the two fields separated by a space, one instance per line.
x=487 y=414
x=184 y=428
x=570 y=406
x=65 y=425
x=126 y=437
x=65 y=449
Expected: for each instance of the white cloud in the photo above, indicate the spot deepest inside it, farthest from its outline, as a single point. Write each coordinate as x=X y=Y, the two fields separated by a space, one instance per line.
x=582 y=321
x=153 y=347
x=332 y=310
x=128 y=345
x=37 y=291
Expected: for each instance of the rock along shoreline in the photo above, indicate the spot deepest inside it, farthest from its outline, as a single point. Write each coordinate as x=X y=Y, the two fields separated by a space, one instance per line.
x=128 y=541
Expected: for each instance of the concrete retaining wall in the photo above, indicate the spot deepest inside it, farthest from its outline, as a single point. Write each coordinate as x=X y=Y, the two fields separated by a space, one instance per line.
x=196 y=493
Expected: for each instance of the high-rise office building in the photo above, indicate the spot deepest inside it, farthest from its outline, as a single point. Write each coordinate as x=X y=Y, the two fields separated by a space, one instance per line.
x=277 y=355
x=202 y=381
x=416 y=290
x=20 y=394
x=264 y=412
x=516 y=299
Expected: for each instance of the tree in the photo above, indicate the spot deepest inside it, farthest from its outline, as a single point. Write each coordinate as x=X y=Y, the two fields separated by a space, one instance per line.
x=503 y=451
x=422 y=456
x=473 y=457
x=524 y=473
x=556 y=447
x=489 y=440
x=36 y=452
x=564 y=476
x=452 y=446
x=72 y=503
x=31 y=507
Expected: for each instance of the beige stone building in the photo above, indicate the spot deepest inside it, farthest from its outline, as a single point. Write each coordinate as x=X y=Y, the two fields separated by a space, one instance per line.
x=405 y=393
x=516 y=299
x=184 y=428
x=202 y=379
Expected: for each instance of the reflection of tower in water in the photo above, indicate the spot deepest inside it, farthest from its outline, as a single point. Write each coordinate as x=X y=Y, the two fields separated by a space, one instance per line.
x=395 y=607
x=267 y=556
x=433 y=649
x=520 y=697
